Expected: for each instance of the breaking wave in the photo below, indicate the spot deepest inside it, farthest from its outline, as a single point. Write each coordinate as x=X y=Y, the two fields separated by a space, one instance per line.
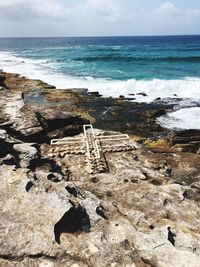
x=189 y=87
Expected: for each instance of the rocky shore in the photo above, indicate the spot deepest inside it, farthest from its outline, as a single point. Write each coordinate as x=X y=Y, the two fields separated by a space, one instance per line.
x=143 y=211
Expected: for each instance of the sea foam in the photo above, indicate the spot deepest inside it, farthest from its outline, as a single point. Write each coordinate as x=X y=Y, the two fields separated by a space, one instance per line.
x=187 y=88
x=186 y=118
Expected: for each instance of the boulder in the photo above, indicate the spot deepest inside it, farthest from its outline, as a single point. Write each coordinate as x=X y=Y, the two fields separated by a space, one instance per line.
x=26 y=151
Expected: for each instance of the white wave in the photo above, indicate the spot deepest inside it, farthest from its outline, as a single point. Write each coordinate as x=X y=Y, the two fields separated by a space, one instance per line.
x=186 y=118
x=40 y=69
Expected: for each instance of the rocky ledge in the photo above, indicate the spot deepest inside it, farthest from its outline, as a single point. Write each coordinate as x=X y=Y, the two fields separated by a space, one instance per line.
x=143 y=211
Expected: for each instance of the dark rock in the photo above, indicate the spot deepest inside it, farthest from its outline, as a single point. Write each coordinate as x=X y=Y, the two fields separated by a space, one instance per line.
x=171 y=236
x=157 y=99
x=49 y=87
x=96 y=94
x=29 y=185
x=192 y=195
x=186 y=141
x=10 y=160
x=94 y=180
x=130 y=98
x=60 y=123
x=154 y=113
x=72 y=190
x=142 y=93
x=5 y=148
x=192 y=147
x=69 y=130
x=100 y=211
x=2 y=80
x=54 y=177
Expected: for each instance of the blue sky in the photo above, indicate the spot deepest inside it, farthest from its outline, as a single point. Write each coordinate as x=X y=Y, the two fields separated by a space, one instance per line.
x=99 y=17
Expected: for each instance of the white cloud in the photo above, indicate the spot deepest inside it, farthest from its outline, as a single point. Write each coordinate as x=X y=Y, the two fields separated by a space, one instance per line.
x=31 y=9
x=106 y=8
x=101 y=10
x=94 y=17
x=168 y=9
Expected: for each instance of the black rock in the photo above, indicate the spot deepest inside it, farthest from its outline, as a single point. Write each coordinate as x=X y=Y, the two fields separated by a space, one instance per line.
x=142 y=93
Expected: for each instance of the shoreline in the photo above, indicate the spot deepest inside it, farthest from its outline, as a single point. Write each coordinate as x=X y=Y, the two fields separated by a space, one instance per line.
x=182 y=94
x=177 y=88
x=115 y=114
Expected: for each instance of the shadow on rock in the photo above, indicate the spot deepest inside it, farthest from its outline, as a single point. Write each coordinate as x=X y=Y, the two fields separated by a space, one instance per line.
x=45 y=165
x=75 y=219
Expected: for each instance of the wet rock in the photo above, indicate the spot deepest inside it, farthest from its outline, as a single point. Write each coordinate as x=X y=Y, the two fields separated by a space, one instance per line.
x=154 y=113
x=186 y=141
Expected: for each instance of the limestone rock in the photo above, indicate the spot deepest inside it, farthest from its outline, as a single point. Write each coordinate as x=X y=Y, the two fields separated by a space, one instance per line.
x=26 y=151
x=144 y=211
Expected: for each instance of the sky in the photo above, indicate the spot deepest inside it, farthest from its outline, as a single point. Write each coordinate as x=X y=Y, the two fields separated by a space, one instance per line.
x=46 y=18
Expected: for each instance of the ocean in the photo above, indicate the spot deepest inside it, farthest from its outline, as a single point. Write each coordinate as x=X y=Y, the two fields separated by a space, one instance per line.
x=165 y=67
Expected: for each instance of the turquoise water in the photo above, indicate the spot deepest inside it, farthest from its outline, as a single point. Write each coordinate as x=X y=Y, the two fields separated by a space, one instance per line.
x=167 y=67
x=113 y=58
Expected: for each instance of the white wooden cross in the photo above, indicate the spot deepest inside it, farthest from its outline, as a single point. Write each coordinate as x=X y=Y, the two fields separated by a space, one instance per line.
x=93 y=146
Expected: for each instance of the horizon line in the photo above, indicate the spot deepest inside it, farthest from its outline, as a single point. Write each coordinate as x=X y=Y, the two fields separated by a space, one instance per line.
x=97 y=36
